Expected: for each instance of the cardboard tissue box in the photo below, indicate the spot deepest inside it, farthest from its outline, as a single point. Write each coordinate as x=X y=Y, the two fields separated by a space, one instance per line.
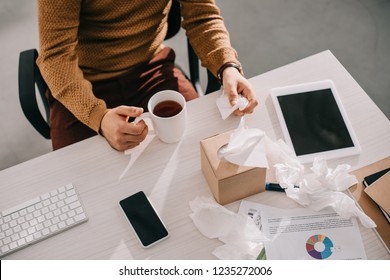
x=228 y=181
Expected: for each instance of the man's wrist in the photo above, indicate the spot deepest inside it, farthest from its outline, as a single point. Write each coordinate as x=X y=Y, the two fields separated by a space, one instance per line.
x=224 y=67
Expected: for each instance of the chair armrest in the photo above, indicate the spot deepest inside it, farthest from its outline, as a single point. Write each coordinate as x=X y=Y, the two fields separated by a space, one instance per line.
x=212 y=81
x=29 y=75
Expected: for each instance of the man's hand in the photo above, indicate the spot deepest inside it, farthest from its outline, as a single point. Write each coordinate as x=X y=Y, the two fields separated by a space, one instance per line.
x=233 y=84
x=119 y=133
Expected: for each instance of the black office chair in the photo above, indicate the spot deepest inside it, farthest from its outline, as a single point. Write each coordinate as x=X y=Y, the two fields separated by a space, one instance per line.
x=30 y=78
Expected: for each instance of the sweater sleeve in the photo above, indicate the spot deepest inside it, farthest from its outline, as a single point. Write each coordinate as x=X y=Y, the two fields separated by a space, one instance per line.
x=207 y=33
x=58 y=23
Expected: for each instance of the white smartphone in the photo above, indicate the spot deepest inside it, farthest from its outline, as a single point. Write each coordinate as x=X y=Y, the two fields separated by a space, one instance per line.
x=144 y=220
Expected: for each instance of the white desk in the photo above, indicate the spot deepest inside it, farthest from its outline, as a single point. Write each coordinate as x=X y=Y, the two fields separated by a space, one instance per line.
x=170 y=174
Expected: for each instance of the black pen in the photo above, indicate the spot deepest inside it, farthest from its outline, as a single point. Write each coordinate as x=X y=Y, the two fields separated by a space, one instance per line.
x=275 y=187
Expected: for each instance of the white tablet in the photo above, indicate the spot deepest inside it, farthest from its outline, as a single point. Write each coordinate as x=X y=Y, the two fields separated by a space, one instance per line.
x=314 y=122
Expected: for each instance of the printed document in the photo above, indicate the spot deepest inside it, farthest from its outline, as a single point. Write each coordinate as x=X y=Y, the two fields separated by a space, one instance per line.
x=304 y=234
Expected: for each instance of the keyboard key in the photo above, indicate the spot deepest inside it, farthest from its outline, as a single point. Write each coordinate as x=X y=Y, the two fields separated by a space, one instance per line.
x=17 y=229
x=21 y=242
x=37 y=235
x=14 y=215
x=7 y=240
x=13 y=245
x=9 y=232
x=45 y=196
x=15 y=237
x=29 y=238
x=79 y=217
x=13 y=223
x=29 y=217
x=53 y=228
x=74 y=205
x=23 y=233
x=71 y=199
x=33 y=222
x=53 y=193
x=45 y=210
x=22 y=212
x=71 y=213
x=36 y=214
x=70 y=192
x=57 y=212
x=4 y=249
x=69 y=221
x=31 y=230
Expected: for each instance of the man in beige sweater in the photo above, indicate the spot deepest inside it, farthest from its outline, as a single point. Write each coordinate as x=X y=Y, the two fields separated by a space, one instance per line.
x=103 y=60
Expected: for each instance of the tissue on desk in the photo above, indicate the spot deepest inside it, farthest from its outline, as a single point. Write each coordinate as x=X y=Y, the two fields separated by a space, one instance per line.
x=240 y=169
x=242 y=238
x=322 y=188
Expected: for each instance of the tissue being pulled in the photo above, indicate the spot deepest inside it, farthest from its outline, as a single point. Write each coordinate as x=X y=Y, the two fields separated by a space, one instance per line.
x=242 y=238
x=245 y=147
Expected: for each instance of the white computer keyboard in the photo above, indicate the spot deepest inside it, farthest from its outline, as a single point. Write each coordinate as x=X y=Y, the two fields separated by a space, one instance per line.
x=40 y=218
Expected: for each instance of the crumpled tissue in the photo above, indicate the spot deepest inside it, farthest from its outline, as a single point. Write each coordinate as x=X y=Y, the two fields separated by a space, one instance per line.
x=321 y=188
x=242 y=238
x=245 y=147
x=226 y=109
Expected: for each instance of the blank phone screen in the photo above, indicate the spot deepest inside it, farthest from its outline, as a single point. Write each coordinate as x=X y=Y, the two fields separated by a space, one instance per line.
x=143 y=218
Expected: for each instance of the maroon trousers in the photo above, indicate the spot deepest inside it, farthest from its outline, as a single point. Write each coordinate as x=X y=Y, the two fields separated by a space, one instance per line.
x=133 y=89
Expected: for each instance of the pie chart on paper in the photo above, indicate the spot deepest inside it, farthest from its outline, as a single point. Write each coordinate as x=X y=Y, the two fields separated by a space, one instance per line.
x=319 y=246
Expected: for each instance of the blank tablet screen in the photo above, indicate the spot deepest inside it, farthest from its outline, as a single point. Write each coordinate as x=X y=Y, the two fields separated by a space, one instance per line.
x=314 y=122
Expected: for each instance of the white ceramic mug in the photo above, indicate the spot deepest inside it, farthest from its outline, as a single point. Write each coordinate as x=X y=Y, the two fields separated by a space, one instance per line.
x=170 y=129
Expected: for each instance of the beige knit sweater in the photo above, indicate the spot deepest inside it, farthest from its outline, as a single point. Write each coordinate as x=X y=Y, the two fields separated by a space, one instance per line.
x=89 y=40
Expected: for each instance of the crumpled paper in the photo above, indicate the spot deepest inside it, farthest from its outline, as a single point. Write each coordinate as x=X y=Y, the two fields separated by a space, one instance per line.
x=226 y=109
x=242 y=238
x=245 y=147
x=323 y=187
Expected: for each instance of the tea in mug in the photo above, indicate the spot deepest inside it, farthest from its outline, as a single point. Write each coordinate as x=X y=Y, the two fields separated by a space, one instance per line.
x=167 y=109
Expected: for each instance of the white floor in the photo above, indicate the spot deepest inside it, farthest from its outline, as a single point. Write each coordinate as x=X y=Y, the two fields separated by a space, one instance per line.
x=266 y=33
